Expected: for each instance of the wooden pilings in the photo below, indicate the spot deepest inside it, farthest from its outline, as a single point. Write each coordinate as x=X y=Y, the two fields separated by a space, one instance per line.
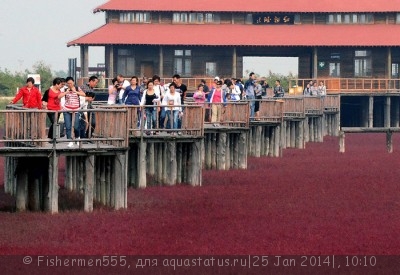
x=100 y=178
x=224 y=150
x=167 y=162
x=387 y=130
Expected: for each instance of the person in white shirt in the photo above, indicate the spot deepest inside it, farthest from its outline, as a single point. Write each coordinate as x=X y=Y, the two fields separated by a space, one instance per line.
x=122 y=84
x=172 y=100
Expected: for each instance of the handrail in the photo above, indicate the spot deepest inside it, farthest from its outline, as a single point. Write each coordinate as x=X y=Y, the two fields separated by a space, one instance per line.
x=27 y=127
x=116 y=124
x=350 y=85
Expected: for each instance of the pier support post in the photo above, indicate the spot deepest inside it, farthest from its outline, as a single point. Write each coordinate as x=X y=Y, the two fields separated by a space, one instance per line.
x=89 y=183
x=341 y=142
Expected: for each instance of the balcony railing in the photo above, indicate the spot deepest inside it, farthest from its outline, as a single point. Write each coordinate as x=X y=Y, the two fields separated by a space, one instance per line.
x=350 y=85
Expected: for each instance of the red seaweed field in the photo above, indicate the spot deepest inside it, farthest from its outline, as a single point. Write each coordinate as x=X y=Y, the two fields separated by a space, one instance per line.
x=314 y=201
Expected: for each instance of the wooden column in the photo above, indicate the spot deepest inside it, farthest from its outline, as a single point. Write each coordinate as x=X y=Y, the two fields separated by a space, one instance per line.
x=109 y=58
x=142 y=164
x=161 y=59
x=195 y=177
x=315 y=63
x=89 y=183
x=243 y=150
x=371 y=112
x=396 y=112
x=341 y=142
x=389 y=142
x=84 y=61
x=306 y=130
x=119 y=185
x=300 y=135
x=277 y=142
x=287 y=133
x=171 y=163
x=387 y=112
x=53 y=184
x=389 y=63
x=22 y=189
x=293 y=134
x=257 y=140
x=283 y=134
x=234 y=62
x=221 y=150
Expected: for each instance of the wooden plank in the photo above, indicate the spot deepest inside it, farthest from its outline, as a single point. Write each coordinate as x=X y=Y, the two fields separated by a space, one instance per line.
x=369 y=130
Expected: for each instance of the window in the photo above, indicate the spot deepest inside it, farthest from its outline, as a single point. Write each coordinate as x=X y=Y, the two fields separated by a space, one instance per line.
x=297 y=19
x=248 y=19
x=211 y=69
x=132 y=17
x=212 y=18
x=143 y=17
x=395 y=70
x=180 y=17
x=195 y=17
x=350 y=18
x=398 y=18
x=183 y=62
x=362 y=63
x=334 y=69
x=125 y=62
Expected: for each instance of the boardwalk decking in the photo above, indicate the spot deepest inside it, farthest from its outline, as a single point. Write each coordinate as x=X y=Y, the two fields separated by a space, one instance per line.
x=122 y=154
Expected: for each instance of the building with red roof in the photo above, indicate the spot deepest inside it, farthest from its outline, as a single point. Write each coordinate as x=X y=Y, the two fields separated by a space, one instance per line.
x=332 y=39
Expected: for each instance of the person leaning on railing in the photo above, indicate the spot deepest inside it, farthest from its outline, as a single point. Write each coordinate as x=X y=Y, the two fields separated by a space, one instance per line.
x=217 y=98
x=31 y=96
x=53 y=104
x=172 y=100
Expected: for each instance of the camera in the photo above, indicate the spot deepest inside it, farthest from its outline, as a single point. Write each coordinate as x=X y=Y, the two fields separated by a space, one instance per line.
x=90 y=94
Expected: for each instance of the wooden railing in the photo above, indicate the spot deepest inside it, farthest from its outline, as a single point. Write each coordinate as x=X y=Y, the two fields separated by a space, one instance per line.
x=350 y=85
x=24 y=126
x=293 y=107
x=192 y=120
x=331 y=103
x=28 y=127
x=313 y=105
x=271 y=111
x=115 y=124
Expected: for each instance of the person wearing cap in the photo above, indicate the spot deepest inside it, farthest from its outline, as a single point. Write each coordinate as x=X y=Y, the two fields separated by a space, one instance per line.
x=249 y=87
x=214 y=85
x=31 y=96
x=217 y=97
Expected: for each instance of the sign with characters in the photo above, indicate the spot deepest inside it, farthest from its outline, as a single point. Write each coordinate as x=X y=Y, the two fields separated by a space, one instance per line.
x=272 y=19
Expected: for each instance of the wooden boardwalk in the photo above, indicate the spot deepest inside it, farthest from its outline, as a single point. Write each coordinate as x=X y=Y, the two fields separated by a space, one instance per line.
x=122 y=153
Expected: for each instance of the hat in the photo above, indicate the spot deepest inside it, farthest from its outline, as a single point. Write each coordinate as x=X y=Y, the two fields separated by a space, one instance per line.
x=216 y=78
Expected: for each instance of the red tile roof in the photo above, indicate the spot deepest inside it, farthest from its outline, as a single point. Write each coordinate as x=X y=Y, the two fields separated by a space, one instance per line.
x=253 y=5
x=230 y=35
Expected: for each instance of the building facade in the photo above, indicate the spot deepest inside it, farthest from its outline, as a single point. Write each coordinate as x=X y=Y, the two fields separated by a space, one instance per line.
x=339 y=39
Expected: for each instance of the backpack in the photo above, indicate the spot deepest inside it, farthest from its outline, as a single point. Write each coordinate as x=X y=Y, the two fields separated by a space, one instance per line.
x=45 y=96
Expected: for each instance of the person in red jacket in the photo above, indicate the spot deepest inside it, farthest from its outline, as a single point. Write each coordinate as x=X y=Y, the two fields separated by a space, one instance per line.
x=31 y=96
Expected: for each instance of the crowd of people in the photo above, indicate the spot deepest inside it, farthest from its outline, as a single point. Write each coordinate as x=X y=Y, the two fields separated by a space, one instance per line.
x=163 y=104
x=71 y=103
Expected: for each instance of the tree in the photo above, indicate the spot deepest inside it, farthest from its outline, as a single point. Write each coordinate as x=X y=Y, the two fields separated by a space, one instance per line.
x=9 y=83
x=46 y=76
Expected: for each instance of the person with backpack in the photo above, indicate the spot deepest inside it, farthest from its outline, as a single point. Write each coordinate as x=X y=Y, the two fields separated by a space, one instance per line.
x=71 y=108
